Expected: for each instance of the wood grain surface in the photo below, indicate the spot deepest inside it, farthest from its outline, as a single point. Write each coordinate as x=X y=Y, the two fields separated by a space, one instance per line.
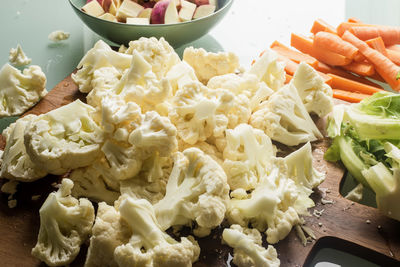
x=342 y=225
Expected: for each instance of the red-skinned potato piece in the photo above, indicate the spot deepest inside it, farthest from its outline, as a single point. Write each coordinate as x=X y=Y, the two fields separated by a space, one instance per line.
x=158 y=13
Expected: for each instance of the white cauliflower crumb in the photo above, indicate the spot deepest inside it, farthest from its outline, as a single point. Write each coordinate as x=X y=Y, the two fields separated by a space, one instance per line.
x=207 y=64
x=18 y=58
x=12 y=203
x=10 y=187
x=58 y=36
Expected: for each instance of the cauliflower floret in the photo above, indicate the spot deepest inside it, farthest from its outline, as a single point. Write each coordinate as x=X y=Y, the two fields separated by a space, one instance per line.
x=284 y=118
x=200 y=113
x=16 y=163
x=109 y=231
x=269 y=70
x=155 y=134
x=158 y=53
x=207 y=148
x=247 y=248
x=150 y=183
x=246 y=84
x=64 y=138
x=20 y=90
x=149 y=245
x=179 y=75
x=103 y=80
x=313 y=91
x=248 y=155
x=58 y=36
x=95 y=182
x=65 y=223
x=101 y=55
x=18 y=58
x=197 y=190
x=140 y=85
x=125 y=155
x=270 y=206
x=300 y=167
x=207 y=64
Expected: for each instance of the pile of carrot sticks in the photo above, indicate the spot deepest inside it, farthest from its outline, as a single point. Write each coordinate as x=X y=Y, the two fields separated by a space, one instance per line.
x=349 y=58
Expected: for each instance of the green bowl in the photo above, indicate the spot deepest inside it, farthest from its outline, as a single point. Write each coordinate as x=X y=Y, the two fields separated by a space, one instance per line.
x=176 y=34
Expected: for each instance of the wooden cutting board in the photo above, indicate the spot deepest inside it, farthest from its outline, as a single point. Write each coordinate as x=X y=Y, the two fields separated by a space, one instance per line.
x=342 y=225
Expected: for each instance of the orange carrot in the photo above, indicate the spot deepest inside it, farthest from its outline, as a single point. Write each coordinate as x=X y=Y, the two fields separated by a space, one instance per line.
x=393 y=56
x=292 y=54
x=288 y=78
x=334 y=43
x=393 y=47
x=322 y=67
x=377 y=44
x=351 y=97
x=360 y=68
x=306 y=45
x=389 y=34
x=302 y=43
x=344 y=26
x=322 y=26
x=354 y=20
x=352 y=86
x=384 y=66
x=290 y=66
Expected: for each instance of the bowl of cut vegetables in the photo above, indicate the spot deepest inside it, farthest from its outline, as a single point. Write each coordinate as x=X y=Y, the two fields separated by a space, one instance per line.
x=178 y=21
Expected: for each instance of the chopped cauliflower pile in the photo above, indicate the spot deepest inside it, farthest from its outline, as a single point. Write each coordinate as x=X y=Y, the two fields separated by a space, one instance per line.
x=161 y=143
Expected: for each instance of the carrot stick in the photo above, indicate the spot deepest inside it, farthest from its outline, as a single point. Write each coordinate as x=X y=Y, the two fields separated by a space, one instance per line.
x=393 y=56
x=389 y=34
x=384 y=66
x=306 y=45
x=354 y=20
x=345 y=26
x=377 y=44
x=360 y=68
x=292 y=54
x=302 y=43
x=288 y=78
x=322 y=26
x=351 y=97
x=393 y=47
x=334 y=43
x=352 y=86
x=290 y=66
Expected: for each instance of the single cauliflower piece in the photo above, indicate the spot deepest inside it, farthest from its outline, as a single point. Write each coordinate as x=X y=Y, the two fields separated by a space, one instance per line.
x=284 y=118
x=20 y=90
x=58 y=36
x=179 y=75
x=200 y=113
x=16 y=164
x=247 y=248
x=100 y=56
x=207 y=64
x=64 y=138
x=268 y=69
x=140 y=85
x=18 y=58
x=197 y=190
x=248 y=156
x=270 y=206
x=313 y=91
x=65 y=223
x=246 y=84
x=151 y=182
x=95 y=182
x=149 y=245
x=109 y=232
x=158 y=53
